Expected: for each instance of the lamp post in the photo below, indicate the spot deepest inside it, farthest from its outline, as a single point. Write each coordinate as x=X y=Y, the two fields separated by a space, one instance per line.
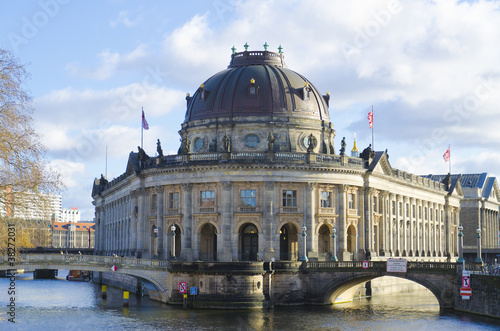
x=304 y=234
x=460 y=244
x=155 y=241
x=334 y=237
x=479 y=259
x=172 y=253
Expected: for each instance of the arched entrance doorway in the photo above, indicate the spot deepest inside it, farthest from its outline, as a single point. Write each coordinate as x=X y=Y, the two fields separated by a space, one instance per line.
x=351 y=241
x=249 y=242
x=208 y=243
x=324 y=242
x=289 y=243
x=178 y=243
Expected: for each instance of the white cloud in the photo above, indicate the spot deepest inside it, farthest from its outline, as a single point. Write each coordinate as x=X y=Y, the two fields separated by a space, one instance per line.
x=109 y=63
x=123 y=19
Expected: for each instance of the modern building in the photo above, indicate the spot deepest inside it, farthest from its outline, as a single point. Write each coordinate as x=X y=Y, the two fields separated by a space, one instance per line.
x=257 y=177
x=73 y=235
x=479 y=210
x=70 y=215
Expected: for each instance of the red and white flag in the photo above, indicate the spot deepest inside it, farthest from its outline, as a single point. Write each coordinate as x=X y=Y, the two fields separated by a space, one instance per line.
x=370 y=118
x=114 y=268
x=145 y=124
x=446 y=155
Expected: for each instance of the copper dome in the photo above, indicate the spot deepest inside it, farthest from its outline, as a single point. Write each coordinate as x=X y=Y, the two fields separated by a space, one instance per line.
x=257 y=83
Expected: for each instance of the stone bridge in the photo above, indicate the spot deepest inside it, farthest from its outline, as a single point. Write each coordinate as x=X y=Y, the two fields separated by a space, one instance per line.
x=251 y=284
x=324 y=282
x=151 y=271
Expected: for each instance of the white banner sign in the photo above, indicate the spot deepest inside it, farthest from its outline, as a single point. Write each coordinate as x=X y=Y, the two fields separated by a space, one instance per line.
x=396 y=265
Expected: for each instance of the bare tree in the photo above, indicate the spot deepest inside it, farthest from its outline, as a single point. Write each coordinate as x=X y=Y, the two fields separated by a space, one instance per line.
x=25 y=177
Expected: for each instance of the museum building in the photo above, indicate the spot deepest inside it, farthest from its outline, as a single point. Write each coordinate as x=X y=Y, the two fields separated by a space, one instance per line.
x=257 y=177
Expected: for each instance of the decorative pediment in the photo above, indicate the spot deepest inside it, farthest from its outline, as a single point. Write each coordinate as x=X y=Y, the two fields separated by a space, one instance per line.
x=381 y=165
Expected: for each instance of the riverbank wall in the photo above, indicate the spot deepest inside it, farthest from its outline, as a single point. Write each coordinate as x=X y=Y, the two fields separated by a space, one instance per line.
x=485 y=298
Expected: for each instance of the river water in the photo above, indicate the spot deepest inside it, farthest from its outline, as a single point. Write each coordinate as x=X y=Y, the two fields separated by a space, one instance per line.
x=62 y=305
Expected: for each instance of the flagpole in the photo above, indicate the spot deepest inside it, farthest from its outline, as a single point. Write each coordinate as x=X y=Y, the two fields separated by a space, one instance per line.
x=449 y=147
x=142 y=126
x=373 y=143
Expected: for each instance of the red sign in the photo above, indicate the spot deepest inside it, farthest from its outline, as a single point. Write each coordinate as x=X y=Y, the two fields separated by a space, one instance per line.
x=114 y=268
x=366 y=264
x=183 y=287
x=465 y=291
x=466 y=281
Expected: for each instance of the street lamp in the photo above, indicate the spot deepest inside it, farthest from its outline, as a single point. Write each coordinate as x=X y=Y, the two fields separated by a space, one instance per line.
x=172 y=253
x=304 y=234
x=479 y=259
x=460 y=244
x=334 y=237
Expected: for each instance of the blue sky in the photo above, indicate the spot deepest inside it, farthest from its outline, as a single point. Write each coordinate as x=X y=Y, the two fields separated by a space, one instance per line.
x=429 y=68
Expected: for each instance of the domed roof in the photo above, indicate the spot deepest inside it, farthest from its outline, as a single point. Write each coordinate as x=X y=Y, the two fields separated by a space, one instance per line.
x=257 y=83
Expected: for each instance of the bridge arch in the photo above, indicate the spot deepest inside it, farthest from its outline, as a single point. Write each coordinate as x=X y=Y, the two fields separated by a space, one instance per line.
x=442 y=290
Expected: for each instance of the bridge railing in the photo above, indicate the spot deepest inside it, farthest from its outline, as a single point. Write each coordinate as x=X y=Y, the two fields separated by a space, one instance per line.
x=92 y=259
x=354 y=265
x=427 y=267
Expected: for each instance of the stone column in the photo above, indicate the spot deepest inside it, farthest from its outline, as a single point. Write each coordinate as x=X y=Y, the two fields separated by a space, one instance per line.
x=187 y=211
x=390 y=225
x=142 y=233
x=412 y=228
x=367 y=215
x=160 y=208
x=225 y=252
x=270 y=224
x=310 y=212
x=343 y=254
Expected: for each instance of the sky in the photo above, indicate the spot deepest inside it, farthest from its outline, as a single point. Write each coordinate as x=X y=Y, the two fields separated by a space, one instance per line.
x=429 y=69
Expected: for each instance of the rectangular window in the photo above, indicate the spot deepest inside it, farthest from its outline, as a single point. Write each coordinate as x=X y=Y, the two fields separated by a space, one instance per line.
x=400 y=208
x=430 y=214
x=419 y=212
x=326 y=199
x=173 y=200
x=393 y=207
x=351 y=201
x=375 y=209
x=425 y=213
x=248 y=198
x=153 y=202
x=407 y=210
x=207 y=199
x=289 y=198
x=413 y=211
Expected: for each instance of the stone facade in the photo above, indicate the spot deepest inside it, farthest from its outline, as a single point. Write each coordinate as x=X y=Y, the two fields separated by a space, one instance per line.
x=256 y=166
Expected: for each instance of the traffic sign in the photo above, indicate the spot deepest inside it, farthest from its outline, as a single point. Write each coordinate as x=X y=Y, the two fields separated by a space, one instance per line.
x=466 y=281
x=194 y=290
x=465 y=292
x=182 y=287
x=366 y=264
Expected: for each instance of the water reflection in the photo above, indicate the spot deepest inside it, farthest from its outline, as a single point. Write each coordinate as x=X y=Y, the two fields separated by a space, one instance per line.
x=62 y=305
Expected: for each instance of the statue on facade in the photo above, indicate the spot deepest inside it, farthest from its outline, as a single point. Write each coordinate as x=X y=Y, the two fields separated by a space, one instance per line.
x=270 y=142
x=103 y=181
x=226 y=143
x=342 y=146
x=142 y=156
x=158 y=148
x=312 y=143
x=185 y=145
x=367 y=153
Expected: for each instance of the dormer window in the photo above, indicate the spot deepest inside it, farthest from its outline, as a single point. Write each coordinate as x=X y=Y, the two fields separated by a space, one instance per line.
x=253 y=89
x=203 y=92
x=306 y=90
